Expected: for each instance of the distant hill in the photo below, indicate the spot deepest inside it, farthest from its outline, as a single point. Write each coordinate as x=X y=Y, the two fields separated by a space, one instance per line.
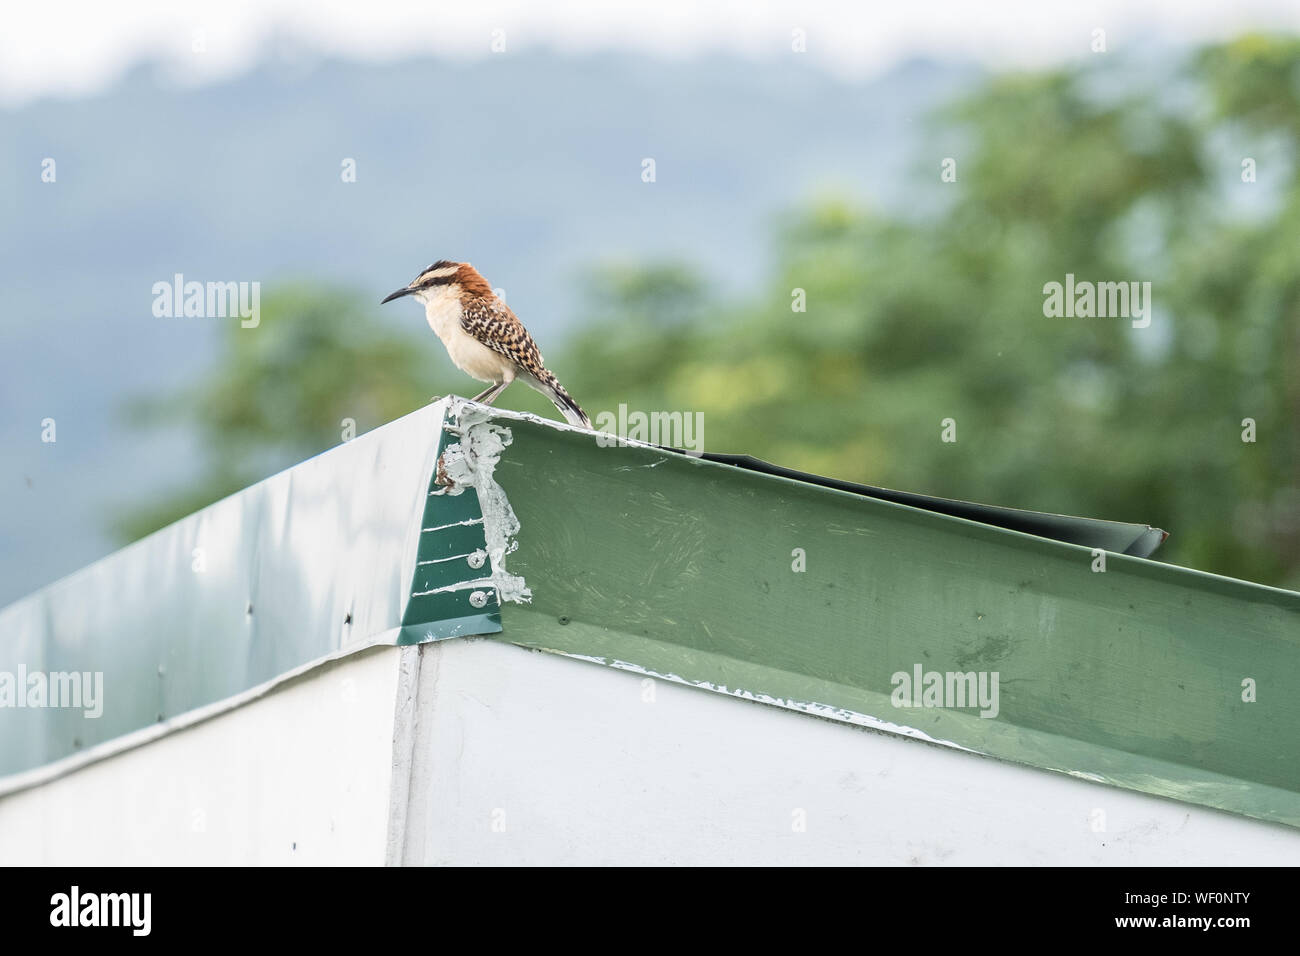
x=528 y=166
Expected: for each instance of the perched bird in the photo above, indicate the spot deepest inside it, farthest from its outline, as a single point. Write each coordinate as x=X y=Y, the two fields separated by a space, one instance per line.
x=482 y=336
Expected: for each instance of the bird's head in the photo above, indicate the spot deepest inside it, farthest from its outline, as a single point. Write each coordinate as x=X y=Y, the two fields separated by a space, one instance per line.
x=443 y=278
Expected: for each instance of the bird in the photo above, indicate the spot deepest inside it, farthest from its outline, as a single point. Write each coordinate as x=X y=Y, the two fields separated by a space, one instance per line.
x=483 y=337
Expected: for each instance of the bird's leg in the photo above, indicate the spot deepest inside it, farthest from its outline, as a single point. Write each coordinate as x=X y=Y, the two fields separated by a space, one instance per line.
x=488 y=396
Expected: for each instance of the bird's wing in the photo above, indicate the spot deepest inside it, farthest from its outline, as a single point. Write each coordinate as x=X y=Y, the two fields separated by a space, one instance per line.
x=493 y=324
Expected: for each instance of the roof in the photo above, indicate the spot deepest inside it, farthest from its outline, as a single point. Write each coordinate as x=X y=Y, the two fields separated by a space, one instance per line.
x=720 y=572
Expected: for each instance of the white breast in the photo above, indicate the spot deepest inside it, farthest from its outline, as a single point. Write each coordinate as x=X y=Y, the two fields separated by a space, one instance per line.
x=471 y=356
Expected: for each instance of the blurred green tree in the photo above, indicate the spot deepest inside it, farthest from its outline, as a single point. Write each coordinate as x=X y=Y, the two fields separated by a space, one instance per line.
x=914 y=319
x=281 y=392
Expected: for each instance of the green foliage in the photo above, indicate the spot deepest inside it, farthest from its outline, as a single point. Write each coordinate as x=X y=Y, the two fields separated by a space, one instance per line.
x=910 y=322
x=282 y=391
x=915 y=319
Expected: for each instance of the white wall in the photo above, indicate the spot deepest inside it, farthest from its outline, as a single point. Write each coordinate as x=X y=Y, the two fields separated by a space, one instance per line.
x=586 y=771
x=576 y=765
x=300 y=775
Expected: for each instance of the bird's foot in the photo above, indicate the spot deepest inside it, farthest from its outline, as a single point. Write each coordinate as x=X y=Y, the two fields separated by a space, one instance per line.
x=489 y=395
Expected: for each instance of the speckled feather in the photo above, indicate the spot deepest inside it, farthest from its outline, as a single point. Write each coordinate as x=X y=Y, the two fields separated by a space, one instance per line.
x=490 y=321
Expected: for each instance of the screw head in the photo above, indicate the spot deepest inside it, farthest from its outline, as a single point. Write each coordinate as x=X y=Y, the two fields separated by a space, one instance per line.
x=478 y=598
x=477 y=559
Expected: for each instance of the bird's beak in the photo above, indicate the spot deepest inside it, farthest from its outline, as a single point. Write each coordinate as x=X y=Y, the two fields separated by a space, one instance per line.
x=397 y=295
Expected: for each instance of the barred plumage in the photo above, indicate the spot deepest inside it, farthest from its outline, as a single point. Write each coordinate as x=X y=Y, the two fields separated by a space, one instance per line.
x=491 y=322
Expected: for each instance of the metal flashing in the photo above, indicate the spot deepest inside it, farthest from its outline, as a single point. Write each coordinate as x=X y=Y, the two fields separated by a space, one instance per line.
x=720 y=572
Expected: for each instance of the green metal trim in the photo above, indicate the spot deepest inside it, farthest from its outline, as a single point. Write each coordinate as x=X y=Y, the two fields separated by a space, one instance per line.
x=677 y=566
x=453 y=549
x=467 y=625
x=1140 y=540
x=682 y=567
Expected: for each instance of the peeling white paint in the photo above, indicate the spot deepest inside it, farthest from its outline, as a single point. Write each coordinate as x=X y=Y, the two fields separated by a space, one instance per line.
x=458 y=586
x=454 y=524
x=486 y=442
x=467 y=556
x=471 y=463
x=808 y=707
x=489 y=411
x=1085 y=775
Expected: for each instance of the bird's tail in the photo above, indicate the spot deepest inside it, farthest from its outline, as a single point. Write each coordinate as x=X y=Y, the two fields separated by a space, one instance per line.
x=549 y=385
